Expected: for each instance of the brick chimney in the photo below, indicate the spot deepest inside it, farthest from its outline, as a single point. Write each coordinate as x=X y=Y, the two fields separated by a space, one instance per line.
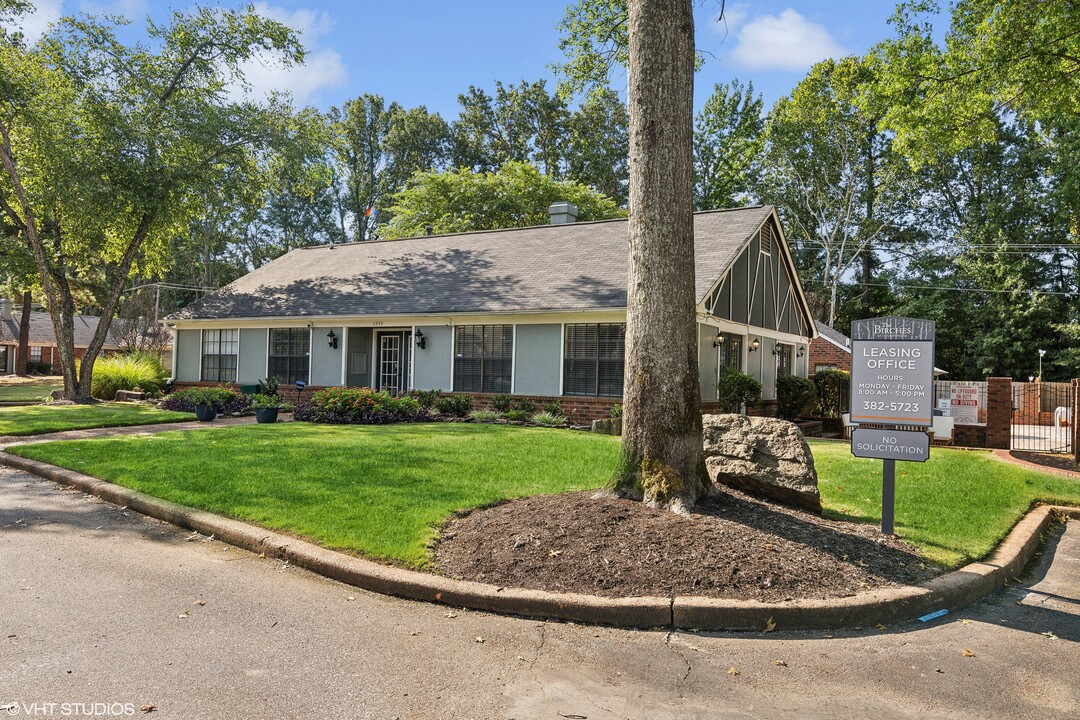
x=563 y=212
x=7 y=309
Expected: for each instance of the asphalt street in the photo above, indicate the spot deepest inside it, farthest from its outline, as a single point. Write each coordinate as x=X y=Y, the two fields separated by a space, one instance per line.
x=105 y=610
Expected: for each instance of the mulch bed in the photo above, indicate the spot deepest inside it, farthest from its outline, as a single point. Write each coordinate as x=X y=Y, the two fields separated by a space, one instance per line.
x=732 y=546
x=1056 y=461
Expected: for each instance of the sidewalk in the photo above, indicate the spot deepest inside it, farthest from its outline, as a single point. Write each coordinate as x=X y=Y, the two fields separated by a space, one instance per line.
x=7 y=441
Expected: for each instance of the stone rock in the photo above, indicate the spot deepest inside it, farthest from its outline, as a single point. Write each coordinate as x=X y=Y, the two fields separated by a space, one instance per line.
x=761 y=456
x=608 y=426
x=57 y=394
x=129 y=395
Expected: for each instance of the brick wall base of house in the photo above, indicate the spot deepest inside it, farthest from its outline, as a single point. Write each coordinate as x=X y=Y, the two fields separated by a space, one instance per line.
x=823 y=352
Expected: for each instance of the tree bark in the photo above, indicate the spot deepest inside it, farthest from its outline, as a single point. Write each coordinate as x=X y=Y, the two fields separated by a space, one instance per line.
x=22 y=354
x=662 y=456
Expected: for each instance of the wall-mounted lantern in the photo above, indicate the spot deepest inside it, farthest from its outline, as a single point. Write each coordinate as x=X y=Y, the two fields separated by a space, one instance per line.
x=420 y=341
x=778 y=349
x=332 y=339
x=754 y=345
x=801 y=352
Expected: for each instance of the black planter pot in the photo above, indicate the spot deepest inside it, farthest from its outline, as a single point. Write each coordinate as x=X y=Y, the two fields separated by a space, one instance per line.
x=266 y=415
x=205 y=413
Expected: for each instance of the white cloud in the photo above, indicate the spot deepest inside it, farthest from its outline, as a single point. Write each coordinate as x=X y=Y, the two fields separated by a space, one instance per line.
x=322 y=68
x=787 y=41
x=37 y=22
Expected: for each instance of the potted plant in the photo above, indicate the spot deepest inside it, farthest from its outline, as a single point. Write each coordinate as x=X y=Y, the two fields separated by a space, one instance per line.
x=267 y=407
x=205 y=411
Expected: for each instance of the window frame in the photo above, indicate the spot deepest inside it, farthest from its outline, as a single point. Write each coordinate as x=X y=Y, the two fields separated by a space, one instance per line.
x=293 y=363
x=489 y=367
x=204 y=343
x=36 y=354
x=590 y=366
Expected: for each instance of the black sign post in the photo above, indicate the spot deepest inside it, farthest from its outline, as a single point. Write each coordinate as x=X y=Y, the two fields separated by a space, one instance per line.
x=892 y=388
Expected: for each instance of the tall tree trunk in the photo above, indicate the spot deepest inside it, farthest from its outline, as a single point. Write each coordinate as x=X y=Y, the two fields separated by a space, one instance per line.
x=662 y=456
x=22 y=355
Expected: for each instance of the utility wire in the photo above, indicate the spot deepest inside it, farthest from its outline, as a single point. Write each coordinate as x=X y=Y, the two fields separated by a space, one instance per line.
x=961 y=289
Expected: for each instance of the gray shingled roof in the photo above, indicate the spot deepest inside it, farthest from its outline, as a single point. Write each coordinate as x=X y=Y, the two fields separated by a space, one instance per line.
x=836 y=336
x=550 y=267
x=41 y=329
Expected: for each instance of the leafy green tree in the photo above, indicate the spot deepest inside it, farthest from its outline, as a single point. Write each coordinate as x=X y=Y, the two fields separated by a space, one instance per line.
x=728 y=141
x=361 y=127
x=108 y=150
x=518 y=195
x=599 y=144
x=521 y=123
x=997 y=56
x=836 y=180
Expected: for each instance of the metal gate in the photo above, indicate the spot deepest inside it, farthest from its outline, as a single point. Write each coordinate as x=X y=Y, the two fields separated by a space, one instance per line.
x=1042 y=419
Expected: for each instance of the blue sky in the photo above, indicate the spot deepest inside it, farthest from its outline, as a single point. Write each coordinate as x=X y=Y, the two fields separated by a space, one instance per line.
x=421 y=52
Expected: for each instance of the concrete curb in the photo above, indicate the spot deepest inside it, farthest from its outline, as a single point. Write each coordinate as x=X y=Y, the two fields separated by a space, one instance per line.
x=953 y=589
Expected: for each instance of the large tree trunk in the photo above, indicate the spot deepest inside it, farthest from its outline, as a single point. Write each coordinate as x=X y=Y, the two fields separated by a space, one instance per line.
x=22 y=355
x=662 y=456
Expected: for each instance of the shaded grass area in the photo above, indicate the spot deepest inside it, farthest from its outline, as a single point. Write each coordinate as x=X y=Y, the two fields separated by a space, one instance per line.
x=956 y=507
x=28 y=391
x=381 y=491
x=38 y=419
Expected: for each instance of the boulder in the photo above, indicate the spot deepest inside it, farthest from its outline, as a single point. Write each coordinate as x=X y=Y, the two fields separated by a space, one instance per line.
x=761 y=456
x=608 y=426
x=129 y=395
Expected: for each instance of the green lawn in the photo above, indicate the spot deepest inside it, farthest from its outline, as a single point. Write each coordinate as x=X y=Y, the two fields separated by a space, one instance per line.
x=382 y=491
x=955 y=507
x=28 y=392
x=377 y=490
x=38 y=419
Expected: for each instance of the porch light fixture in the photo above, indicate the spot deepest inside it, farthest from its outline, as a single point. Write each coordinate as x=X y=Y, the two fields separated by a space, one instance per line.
x=718 y=340
x=754 y=345
x=801 y=352
x=420 y=341
x=778 y=349
x=331 y=337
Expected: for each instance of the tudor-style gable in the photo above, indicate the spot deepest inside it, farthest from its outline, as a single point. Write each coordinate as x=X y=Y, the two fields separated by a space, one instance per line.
x=761 y=287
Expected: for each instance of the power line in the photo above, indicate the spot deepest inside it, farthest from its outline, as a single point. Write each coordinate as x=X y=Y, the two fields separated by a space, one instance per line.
x=967 y=289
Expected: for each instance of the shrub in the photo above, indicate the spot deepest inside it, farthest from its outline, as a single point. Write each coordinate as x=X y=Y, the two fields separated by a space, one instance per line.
x=831 y=385
x=454 y=405
x=547 y=419
x=616 y=411
x=553 y=408
x=426 y=398
x=525 y=405
x=262 y=401
x=502 y=403
x=793 y=396
x=269 y=386
x=127 y=372
x=736 y=388
x=359 y=406
x=516 y=415
x=225 y=401
x=485 y=415
x=38 y=368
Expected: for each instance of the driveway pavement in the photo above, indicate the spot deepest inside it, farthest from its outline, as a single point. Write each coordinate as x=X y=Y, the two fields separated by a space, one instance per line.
x=102 y=606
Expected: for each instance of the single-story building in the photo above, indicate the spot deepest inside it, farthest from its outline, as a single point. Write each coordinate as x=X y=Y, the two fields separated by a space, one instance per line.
x=536 y=312
x=43 y=348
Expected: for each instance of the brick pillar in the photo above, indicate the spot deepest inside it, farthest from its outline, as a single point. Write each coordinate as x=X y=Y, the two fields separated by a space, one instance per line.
x=999 y=413
x=1074 y=421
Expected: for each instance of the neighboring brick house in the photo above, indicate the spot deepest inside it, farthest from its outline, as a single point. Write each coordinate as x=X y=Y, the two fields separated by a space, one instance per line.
x=536 y=312
x=829 y=350
x=43 y=347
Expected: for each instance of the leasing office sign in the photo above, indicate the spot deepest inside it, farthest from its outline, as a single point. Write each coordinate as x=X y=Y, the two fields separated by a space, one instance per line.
x=892 y=371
